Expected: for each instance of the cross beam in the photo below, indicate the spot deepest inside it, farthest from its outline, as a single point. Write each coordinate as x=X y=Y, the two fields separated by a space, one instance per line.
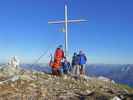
x=66 y=22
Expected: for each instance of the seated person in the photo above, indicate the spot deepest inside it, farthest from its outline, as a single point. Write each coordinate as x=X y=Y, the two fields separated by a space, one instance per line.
x=65 y=66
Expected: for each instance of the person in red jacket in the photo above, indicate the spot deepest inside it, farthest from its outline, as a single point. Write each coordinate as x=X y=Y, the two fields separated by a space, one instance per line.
x=56 y=64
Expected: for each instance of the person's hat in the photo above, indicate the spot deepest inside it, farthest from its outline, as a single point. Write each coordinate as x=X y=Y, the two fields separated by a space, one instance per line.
x=80 y=52
x=60 y=46
x=74 y=53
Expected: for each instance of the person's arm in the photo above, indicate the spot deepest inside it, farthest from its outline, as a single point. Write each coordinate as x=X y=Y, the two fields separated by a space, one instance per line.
x=85 y=58
x=51 y=60
x=51 y=63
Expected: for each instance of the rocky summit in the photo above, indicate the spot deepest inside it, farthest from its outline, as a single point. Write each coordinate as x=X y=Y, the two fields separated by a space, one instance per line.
x=20 y=84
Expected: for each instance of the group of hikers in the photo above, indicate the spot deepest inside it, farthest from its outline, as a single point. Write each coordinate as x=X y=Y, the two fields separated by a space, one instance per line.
x=60 y=63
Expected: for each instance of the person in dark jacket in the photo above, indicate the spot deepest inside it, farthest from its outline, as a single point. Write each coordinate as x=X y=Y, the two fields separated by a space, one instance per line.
x=82 y=62
x=75 y=64
x=73 y=58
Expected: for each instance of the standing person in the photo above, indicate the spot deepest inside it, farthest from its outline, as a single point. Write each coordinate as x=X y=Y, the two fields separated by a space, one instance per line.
x=73 y=59
x=56 y=64
x=75 y=64
x=65 y=66
x=82 y=63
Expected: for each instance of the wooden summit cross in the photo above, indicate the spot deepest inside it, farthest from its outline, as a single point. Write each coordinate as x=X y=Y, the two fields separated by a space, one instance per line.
x=66 y=22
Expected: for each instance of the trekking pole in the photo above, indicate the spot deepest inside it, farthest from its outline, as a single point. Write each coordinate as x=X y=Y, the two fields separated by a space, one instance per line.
x=37 y=76
x=38 y=59
x=51 y=58
x=41 y=56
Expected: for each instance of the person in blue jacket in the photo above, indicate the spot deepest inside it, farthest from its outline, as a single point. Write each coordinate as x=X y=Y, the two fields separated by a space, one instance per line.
x=65 y=66
x=82 y=62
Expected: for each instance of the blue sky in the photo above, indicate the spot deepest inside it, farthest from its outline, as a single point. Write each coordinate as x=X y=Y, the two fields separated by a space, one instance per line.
x=107 y=37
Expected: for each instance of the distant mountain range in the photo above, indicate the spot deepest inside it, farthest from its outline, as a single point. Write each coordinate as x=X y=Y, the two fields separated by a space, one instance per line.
x=119 y=73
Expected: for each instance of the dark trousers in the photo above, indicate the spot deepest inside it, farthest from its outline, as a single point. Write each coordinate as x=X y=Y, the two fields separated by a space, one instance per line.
x=56 y=72
x=82 y=69
x=65 y=71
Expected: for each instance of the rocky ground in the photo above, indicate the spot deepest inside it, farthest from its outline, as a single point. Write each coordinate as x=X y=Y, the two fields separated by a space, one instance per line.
x=25 y=85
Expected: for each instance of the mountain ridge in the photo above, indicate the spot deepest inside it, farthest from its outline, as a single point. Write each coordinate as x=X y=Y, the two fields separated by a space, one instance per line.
x=25 y=84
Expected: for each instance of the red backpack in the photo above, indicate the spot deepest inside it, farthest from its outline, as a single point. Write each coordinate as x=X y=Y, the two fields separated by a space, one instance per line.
x=59 y=54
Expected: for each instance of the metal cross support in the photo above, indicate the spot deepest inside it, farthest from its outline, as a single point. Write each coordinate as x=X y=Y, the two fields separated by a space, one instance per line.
x=66 y=22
